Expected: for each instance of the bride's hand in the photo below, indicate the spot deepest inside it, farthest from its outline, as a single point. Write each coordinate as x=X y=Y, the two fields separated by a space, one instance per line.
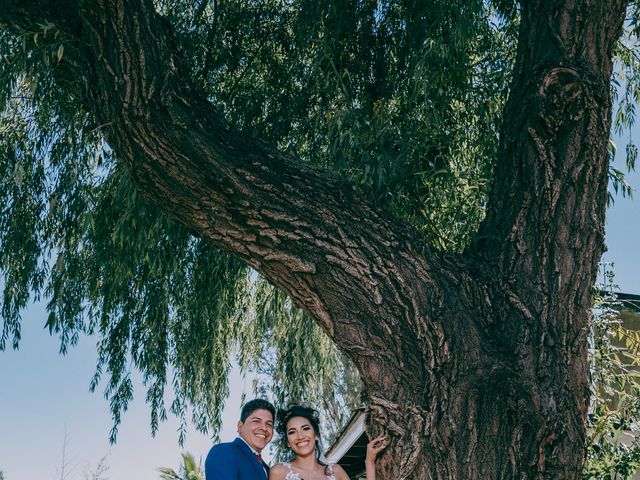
x=375 y=446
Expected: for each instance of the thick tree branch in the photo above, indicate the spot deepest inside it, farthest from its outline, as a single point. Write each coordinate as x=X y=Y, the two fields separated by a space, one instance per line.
x=544 y=230
x=302 y=227
x=547 y=167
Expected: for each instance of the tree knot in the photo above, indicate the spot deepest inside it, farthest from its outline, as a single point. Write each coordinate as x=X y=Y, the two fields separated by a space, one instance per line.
x=561 y=82
x=562 y=98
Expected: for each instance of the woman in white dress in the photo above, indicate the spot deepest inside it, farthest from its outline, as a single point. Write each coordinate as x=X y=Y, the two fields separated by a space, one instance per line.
x=299 y=430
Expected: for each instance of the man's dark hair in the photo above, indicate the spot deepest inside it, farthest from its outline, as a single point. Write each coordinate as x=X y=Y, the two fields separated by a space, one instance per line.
x=256 y=404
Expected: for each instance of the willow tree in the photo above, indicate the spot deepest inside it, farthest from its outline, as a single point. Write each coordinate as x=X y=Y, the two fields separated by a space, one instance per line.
x=426 y=180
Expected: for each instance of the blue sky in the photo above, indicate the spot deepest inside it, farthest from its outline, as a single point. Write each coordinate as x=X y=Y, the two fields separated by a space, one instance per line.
x=44 y=395
x=622 y=235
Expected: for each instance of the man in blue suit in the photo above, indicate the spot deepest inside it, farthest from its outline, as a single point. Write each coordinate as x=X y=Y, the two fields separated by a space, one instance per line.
x=240 y=459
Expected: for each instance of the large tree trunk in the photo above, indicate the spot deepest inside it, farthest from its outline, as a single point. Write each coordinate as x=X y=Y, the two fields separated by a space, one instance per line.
x=475 y=363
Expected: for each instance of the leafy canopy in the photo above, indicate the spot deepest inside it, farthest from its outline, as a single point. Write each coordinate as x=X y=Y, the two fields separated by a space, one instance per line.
x=403 y=98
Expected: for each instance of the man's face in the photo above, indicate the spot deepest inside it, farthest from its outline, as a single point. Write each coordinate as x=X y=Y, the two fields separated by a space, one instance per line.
x=257 y=429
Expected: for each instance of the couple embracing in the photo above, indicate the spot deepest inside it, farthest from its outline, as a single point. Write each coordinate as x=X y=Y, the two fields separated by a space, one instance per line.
x=299 y=430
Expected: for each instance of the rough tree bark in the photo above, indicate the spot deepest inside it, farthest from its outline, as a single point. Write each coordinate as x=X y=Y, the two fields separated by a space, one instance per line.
x=474 y=363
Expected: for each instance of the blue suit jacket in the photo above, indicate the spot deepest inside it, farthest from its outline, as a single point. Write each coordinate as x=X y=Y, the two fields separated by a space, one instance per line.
x=233 y=461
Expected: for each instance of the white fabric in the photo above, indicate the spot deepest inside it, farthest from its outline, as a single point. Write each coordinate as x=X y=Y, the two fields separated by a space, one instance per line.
x=291 y=475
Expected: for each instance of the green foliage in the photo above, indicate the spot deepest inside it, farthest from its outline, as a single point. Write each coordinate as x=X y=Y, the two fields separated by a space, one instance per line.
x=613 y=449
x=403 y=98
x=626 y=88
x=189 y=470
x=282 y=363
x=74 y=230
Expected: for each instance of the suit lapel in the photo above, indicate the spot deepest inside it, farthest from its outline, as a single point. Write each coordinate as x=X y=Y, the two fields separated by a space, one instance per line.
x=251 y=457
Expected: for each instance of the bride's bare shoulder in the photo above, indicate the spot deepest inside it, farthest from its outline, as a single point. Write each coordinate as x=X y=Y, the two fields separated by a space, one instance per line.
x=278 y=472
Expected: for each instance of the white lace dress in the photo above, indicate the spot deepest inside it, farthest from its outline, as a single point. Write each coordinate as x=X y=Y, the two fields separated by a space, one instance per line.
x=291 y=475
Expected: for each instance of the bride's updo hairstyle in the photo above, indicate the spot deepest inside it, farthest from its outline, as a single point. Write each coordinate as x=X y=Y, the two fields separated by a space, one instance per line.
x=298 y=410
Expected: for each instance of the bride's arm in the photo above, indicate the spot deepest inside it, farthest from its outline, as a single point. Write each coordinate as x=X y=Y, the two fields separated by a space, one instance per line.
x=374 y=447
